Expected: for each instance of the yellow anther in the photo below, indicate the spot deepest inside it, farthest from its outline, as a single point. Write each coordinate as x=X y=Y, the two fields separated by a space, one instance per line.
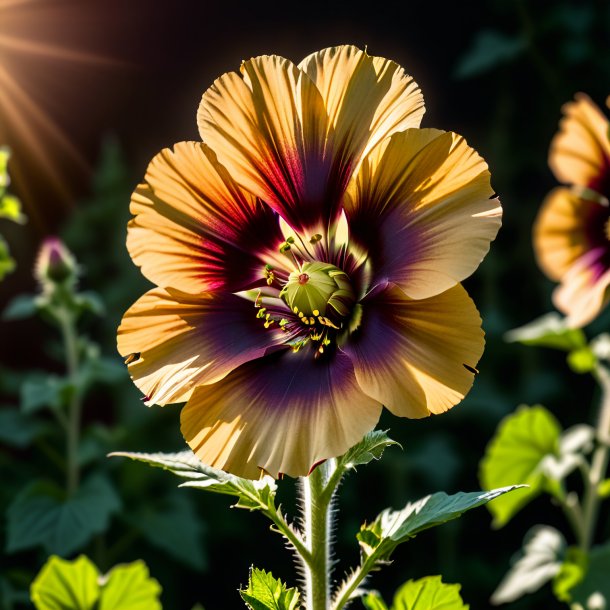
x=295 y=309
x=315 y=312
x=261 y=312
x=268 y=323
x=312 y=320
x=300 y=314
x=321 y=349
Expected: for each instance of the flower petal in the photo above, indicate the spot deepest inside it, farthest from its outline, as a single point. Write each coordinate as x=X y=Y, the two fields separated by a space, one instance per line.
x=194 y=229
x=580 y=152
x=269 y=129
x=423 y=207
x=566 y=228
x=584 y=290
x=367 y=98
x=417 y=356
x=282 y=413
x=181 y=340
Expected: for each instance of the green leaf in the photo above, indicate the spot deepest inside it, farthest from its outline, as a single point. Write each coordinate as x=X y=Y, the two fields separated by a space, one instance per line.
x=17 y=429
x=392 y=528
x=90 y=302
x=267 y=593
x=130 y=587
x=604 y=488
x=371 y=447
x=589 y=586
x=548 y=331
x=428 y=593
x=21 y=307
x=45 y=391
x=582 y=360
x=7 y=263
x=10 y=208
x=538 y=563
x=489 y=49
x=515 y=456
x=253 y=495
x=66 y=585
x=41 y=514
x=571 y=572
x=174 y=527
x=373 y=601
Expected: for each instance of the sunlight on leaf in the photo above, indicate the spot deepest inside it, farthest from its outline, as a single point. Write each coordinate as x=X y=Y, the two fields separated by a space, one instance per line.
x=371 y=447
x=428 y=593
x=549 y=330
x=130 y=587
x=514 y=456
x=265 y=592
x=539 y=562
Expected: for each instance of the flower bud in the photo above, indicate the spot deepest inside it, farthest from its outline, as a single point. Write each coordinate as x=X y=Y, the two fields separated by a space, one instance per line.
x=55 y=263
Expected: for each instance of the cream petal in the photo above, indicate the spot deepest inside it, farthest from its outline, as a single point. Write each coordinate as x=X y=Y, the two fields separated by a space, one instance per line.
x=584 y=289
x=566 y=228
x=580 y=152
x=269 y=129
x=178 y=341
x=281 y=414
x=423 y=207
x=194 y=229
x=417 y=356
x=367 y=98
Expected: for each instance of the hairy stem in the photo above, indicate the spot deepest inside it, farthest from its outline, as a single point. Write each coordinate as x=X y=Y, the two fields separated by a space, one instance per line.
x=68 y=329
x=317 y=498
x=599 y=462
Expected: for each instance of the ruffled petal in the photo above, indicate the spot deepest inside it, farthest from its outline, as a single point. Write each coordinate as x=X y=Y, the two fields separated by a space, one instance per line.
x=584 y=290
x=194 y=229
x=417 y=357
x=367 y=98
x=175 y=341
x=423 y=207
x=566 y=228
x=580 y=152
x=281 y=414
x=269 y=129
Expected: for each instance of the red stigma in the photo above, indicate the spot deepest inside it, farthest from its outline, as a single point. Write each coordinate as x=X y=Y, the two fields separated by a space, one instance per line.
x=303 y=278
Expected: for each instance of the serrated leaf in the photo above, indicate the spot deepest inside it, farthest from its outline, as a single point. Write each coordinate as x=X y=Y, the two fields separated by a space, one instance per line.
x=549 y=330
x=174 y=527
x=393 y=527
x=592 y=589
x=42 y=515
x=130 y=587
x=514 y=456
x=371 y=447
x=373 y=601
x=45 y=391
x=253 y=495
x=66 y=585
x=428 y=593
x=21 y=307
x=538 y=563
x=265 y=592
x=17 y=429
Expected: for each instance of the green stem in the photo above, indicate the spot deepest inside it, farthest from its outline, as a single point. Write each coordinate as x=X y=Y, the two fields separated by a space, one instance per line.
x=317 y=499
x=353 y=581
x=599 y=462
x=68 y=329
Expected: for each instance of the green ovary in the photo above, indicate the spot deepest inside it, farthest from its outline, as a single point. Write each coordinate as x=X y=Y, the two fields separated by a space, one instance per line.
x=319 y=289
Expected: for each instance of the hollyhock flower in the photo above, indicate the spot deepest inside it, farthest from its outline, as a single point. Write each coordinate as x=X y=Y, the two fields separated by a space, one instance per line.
x=308 y=255
x=572 y=231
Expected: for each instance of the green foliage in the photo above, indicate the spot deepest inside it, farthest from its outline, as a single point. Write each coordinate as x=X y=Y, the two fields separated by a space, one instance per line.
x=538 y=563
x=253 y=495
x=10 y=208
x=45 y=391
x=428 y=593
x=77 y=585
x=571 y=572
x=18 y=429
x=21 y=307
x=514 y=456
x=391 y=528
x=371 y=447
x=43 y=515
x=549 y=330
x=264 y=592
x=490 y=49
x=7 y=263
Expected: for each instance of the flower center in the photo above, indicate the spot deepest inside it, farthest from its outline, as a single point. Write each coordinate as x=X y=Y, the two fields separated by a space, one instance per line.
x=319 y=292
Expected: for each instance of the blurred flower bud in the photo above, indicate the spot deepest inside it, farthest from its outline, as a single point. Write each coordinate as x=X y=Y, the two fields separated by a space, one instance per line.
x=55 y=263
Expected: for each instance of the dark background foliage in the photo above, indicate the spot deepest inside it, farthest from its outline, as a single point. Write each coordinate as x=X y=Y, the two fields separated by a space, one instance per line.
x=495 y=71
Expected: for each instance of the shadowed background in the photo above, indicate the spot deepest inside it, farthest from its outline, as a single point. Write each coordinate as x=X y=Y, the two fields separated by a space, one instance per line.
x=91 y=90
